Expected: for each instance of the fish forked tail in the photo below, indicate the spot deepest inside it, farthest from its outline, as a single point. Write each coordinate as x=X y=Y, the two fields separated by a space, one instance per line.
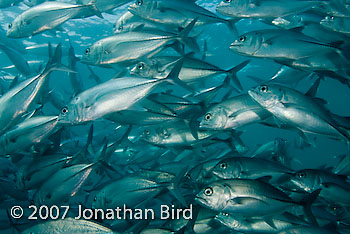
x=54 y=63
x=232 y=73
x=189 y=41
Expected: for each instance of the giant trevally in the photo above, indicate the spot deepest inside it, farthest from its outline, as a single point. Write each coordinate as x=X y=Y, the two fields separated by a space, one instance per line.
x=106 y=5
x=246 y=197
x=68 y=225
x=295 y=50
x=111 y=96
x=27 y=133
x=33 y=174
x=23 y=97
x=67 y=183
x=249 y=168
x=130 y=22
x=257 y=225
x=233 y=113
x=128 y=48
x=262 y=9
x=193 y=69
x=300 y=112
x=338 y=24
x=176 y=14
x=46 y=16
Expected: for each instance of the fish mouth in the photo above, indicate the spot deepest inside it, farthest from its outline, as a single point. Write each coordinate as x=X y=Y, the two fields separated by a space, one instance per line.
x=200 y=200
x=235 y=44
x=252 y=94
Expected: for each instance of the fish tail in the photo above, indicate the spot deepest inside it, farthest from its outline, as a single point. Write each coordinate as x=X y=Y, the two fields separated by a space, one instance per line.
x=94 y=9
x=306 y=202
x=173 y=76
x=232 y=73
x=189 y=41
x=54 y=63
x=231 y=25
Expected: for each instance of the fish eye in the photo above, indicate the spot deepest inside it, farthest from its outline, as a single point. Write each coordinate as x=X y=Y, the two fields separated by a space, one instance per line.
x=223 y=165
x=242 y=38
x=139 y=2
x=301 y=175
x=264 y=88
x=208 y=191
x=10 y=26
x=120 y=28
x=141 y=66
x=64 y=110
x=146 y=132
x=95 y=198
x=188 y=176
x=332 y=17
x=207 y=116
x=87 y=51
x=228 y=1
x=225 y=214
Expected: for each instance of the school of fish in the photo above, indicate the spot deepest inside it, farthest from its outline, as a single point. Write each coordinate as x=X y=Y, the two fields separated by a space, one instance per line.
x=145 y=109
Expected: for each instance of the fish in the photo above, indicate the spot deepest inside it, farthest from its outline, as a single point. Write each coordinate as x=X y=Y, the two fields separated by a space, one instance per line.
x=193 y=70
x=105 y=5
x=302 y=52
x=46 y=16
x=99 y=101
x=250 y=168
x=130 y=22
x=68 y=181
x=337 y=24
x=33 y=174
x=256 y=225
x=128 y=48
x=23 y=97
x=27 y=133
x=176 y=14
x=233 y=113
x=68 y=225
x=245 y=197
x=292 y=108
x=263 y=9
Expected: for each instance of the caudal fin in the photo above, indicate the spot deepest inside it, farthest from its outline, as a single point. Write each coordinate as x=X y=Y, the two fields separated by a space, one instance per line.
x=189 y=41
x=232 y=73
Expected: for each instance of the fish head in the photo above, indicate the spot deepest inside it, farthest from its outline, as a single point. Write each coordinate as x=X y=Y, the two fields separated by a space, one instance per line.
x=216 y=118
x=122 y=22
x=144 y=8
x=214 y=196
x=247 y=44
x=144 y=69
x=267 y=95
x=16 y=28
x=93 y=54
x=100 y=200
x=227 y=170
x=233 y=8
x=305 y=180
x=228 y=220
x=72 y=113
x=328 y=21
x=154 y=135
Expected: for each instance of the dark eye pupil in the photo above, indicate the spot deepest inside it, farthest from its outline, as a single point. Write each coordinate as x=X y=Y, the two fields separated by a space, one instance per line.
x=10 y=25
x=87 y=51
x=120 y=28
x=139 y=2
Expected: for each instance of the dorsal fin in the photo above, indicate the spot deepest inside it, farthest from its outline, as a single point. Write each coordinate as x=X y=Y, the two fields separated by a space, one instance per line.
x=313 y=89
